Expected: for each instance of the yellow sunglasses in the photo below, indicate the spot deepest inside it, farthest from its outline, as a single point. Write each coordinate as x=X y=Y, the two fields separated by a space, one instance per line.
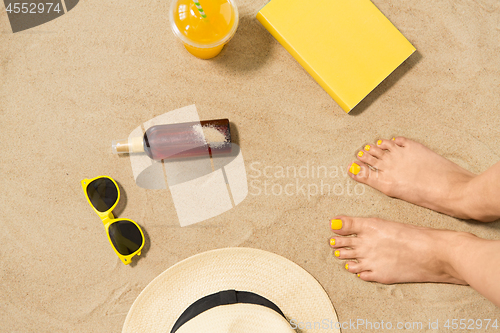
x=124 y=235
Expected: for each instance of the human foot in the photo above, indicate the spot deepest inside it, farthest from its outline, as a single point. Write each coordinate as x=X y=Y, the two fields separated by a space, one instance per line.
x=390 y=252
x=408 y=170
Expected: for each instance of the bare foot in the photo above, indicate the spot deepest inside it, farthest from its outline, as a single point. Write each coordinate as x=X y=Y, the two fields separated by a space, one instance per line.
x=408 y=170
x=390 y=252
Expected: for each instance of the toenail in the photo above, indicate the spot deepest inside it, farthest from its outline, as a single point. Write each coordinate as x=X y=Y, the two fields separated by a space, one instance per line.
x=337 y=253
x=336 y=225
x=347 y=266
x=379 y=142
x=358 y=275
x=354 y=169
x=393 y=139
x=332 y=242
x=367 y=147
x=360 y=154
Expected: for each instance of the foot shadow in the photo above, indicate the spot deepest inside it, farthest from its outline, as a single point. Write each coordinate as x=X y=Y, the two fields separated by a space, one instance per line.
x=495 y=225
x=385 y=85
x=249 y=49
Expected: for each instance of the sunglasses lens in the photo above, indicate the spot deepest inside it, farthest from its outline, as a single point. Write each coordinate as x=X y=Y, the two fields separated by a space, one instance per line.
x=126 y=237
x=102 y=193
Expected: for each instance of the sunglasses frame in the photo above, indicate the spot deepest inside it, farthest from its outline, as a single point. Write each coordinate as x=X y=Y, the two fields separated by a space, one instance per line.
x=108 y=219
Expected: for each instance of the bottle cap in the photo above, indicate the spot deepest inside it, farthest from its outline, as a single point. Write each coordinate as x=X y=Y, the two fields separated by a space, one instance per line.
x=125 y=146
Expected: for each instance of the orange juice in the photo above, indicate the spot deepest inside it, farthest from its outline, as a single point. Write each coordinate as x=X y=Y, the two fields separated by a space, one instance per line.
x=204 y=37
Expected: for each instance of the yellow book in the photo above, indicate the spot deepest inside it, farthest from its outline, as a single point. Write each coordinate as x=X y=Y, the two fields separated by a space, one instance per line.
x=347 y=46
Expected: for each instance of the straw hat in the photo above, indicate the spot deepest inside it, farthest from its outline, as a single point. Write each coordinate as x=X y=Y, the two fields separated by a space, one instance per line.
x=233 y=290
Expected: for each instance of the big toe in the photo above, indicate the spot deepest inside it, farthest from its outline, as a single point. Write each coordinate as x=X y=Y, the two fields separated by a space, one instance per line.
x=346 y=225
x=401 y=141
x=362 y=173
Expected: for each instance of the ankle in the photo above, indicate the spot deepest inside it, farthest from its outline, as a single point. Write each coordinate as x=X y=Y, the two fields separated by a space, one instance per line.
x=461 y=199
x=475 y=201
x=454 y=246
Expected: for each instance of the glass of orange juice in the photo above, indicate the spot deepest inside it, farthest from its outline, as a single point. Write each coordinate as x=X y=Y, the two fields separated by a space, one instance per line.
x=204 y=37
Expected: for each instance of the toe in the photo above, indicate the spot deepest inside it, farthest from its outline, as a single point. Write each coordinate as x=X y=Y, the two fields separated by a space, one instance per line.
x=362 y=173
x=367 y=158
x=345 y=225
x=387 y=144
x=359 y=171
x=353 y=267
x=376 y=277
x=337 y=242
x=401 y=141
x=344 y=253
x=376 y=151
x=366 y=276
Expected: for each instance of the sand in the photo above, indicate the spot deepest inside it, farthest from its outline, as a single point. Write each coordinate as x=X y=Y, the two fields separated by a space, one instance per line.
x=210 y=135
x=71 y=86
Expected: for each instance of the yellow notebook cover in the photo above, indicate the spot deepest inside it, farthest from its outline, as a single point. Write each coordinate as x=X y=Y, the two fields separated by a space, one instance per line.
x=347 y=46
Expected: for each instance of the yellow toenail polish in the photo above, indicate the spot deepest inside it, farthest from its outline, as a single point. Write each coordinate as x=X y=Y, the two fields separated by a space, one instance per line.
x=332 y=242
x=379 y=142
x=354 y=169
x=367 y=147
x=393 y=139
x=336 y=225
x=358 y=274
x=337 y=253
x=347 y=266
x=360 y=154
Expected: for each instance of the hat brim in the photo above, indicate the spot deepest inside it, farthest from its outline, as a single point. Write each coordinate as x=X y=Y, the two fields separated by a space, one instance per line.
x=299 y=296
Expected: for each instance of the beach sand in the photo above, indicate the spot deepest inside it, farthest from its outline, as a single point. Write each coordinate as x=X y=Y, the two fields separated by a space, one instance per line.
x=71 y=86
